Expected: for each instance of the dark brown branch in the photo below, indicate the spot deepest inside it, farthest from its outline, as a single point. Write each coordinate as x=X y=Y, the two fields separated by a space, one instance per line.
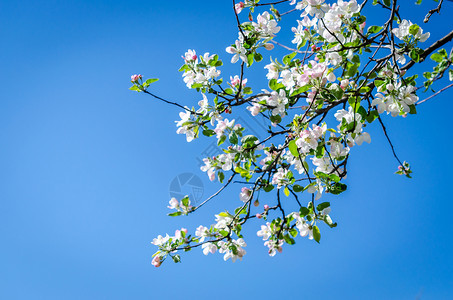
x=432 y=11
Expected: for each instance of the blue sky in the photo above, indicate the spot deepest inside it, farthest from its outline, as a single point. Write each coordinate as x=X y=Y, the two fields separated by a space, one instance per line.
x=86 y=164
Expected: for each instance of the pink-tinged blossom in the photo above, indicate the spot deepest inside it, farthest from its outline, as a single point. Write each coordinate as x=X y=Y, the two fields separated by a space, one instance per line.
x=208 y=168
x=265 y=231
x=362 y=137
x=266 y=26
x=156 y=261
x=272 y=69
x=402 y=31
x=280 y=178
x=201 y=232
x=317 y=188
x=245 y=194
x=274 y=246
x=209 y=248
x=185 y=128
x=174 y=203
x=190 y=56
x=344 y=84
x=225 y=248
x=222 y=125
x=160 y=240
x=278 y=101
x=238 y=51
x=303 y=227
x=135 y=78
x=236 y=80
x=255 y=109
x=239 y=7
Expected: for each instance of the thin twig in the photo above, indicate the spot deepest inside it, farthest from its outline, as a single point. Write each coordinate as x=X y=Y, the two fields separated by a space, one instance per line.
x=433 y=95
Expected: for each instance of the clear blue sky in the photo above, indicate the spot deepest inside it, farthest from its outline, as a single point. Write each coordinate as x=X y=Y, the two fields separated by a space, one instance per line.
x=85 y=168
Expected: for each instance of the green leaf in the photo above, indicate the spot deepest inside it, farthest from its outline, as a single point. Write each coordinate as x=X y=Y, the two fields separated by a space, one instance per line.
x=338 y=188
x=353 y=70
x=450 y=75
x=297 y=188
x=287 y=58
x=185 y=201
x=289 y=240
x=276 y=119
x=151 y=80
x=336 y=91
x=233 y=138
x=413 y=110
x=374 y=29
x=268 y=188
x=322 y=206
x=176 y=258
x=229 y=91
x=221 y=140
x=221 y=176
x=373 y=115
x=286 y=191
x=175 y=214
x=247 y=90
x=414 y=55
x=223 y=233
x=316 y=233
x=300 y=90
x=250 y=59
x=293 y=148
x=274 y=85
x=208 y=132
x=437 y=57
x=258 y=57
x=135 y=88
x=303 y=211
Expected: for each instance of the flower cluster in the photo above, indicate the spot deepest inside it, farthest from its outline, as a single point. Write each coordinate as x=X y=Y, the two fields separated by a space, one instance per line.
x=320 y=98
x=200 y=72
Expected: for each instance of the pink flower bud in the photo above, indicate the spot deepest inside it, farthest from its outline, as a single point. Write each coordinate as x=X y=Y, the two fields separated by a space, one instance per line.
x=259 y=216
x=266 y=207
x=136 y=78
x=344 y=84
x=268 y=46
x=156 y=261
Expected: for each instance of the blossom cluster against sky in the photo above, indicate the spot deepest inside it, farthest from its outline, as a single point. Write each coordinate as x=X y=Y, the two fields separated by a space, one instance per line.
x=86 y=164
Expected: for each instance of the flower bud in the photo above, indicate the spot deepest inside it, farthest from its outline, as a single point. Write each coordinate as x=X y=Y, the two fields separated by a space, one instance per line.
x=259 y=216
x=344 y=83
x=266 y=207
x=156 y=261
x=268 y=46
x=256 y=203
x=135 y=78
